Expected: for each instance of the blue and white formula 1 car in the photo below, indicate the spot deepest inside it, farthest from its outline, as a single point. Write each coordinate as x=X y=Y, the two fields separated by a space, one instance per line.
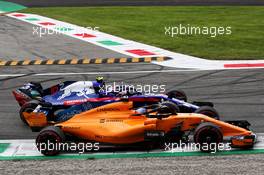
x=62 y=101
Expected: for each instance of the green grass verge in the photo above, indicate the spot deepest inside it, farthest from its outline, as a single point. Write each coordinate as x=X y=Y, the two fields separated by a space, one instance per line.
x=9 y=7
x=146 y=24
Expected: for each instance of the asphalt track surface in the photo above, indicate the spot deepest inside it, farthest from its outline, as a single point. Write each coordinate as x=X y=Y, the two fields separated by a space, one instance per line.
x=237 y=94
x=50 y=3
x=19 y=41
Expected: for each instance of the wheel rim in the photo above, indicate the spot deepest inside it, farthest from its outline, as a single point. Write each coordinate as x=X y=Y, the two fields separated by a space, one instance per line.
x=210 y=138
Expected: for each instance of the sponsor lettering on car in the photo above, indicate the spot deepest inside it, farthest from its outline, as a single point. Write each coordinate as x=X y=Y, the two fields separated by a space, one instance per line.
x=107 y=109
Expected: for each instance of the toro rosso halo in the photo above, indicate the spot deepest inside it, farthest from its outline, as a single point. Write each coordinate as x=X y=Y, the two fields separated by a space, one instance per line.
x=121 y=124
x=62 y=101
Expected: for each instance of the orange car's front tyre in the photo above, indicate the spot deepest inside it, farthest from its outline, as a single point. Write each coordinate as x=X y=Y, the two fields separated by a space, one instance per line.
x=208 y=136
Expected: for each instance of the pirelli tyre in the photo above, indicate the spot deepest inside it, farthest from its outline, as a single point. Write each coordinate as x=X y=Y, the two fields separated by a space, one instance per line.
x=179 y=94
x=27 y=107
x=49 y=141
x=207 y=137
x=208 y=111
x=168 y=107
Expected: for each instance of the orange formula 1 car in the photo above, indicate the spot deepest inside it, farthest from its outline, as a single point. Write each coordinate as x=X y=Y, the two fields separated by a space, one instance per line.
x=119 y=124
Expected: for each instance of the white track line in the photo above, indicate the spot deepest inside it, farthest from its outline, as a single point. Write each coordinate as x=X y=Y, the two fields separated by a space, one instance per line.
x=99 y=73
x=27 y=147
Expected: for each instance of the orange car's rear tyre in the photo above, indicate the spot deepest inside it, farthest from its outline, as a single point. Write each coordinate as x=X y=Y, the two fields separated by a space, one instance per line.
x=207 y=136
x=27 y=107
x=179 y=94
x=49 y=141
x=208 y=111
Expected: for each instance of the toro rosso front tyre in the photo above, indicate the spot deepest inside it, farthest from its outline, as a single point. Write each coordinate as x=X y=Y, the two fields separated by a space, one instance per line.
x=208 y=111
x=49 y=139
x=179 y=94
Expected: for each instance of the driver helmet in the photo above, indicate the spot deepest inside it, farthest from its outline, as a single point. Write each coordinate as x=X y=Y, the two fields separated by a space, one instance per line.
x=99 y=85
x=141 y=110
x=100 y=79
